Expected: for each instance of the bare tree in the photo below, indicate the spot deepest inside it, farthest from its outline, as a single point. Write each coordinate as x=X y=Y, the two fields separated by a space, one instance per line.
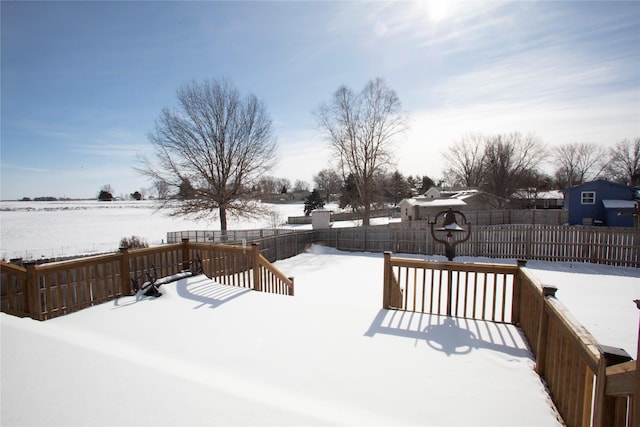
x=624 y=162
x=510 y=161
x=465 y=160
x=301 y=185
x=216 y=145
x=283 y=185
x=162 y=189
x=268 y=185
x=328 y=182
x=360 y=128
x=577 y=163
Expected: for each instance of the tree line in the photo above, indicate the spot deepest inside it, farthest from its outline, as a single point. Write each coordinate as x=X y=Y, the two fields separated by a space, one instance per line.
x=503 y=164
x=214 y=151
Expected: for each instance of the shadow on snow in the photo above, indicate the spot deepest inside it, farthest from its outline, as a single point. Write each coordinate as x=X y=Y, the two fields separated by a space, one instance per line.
x=452 y=336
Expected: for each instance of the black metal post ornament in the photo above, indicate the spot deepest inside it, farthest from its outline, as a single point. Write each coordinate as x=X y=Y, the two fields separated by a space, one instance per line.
x=454 y=234
x=451 y=230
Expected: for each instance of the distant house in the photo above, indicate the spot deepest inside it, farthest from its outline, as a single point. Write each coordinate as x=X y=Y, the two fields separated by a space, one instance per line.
x=436 y=199
x=601 y=202
x=533 y=199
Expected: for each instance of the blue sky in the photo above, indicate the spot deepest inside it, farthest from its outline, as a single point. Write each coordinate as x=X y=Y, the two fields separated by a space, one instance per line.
x=83 y=82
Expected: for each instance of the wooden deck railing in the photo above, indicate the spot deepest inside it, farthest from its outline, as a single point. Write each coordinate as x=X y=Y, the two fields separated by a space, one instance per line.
x=15 y=295
x=50 y=290
x=472 y=291
x=588 y=384
x=241 y=266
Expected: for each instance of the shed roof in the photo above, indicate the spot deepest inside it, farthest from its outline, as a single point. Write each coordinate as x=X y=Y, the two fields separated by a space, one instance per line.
x=618 y=204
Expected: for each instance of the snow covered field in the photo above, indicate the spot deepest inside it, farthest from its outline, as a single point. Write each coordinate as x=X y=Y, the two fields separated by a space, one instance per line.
x=50 y=229
x=34 y=230
x=206 y=354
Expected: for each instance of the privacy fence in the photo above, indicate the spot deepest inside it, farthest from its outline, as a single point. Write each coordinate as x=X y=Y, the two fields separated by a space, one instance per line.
x=600 y=245
x=275 y=244
x=590 y=384
x=346 y=216
x=615 y=246
x=506 y=217
x=49 y=290
x=491 y=217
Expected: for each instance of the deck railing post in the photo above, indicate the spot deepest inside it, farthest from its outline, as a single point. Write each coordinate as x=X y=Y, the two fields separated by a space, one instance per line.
x=255 y=255
x=604 y=411
x=125 y=274
x=543 y=323
x=292 y=289
x=32 y=291
x=185 y=254
x=517 y=293
x=386 y=293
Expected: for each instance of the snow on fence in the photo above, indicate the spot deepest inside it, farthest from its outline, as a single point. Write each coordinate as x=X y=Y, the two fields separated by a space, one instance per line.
x=590 y=384
x=49 y=290
x=601 y=245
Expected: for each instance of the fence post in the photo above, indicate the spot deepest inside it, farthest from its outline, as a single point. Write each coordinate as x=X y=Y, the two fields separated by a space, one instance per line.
x=32 y=290
x=125 y=273
x=604 y=411
x=547 y=291
x=255 y=255
x=185 y=253
x=386 y=292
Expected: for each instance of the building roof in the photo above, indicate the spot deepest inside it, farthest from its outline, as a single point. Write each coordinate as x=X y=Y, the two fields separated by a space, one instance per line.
x=596 y=181
x=618 y=204
x=424 y=202
x=542 y=195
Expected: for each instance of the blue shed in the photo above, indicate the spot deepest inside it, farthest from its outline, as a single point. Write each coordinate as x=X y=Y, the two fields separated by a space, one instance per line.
x=600 y=202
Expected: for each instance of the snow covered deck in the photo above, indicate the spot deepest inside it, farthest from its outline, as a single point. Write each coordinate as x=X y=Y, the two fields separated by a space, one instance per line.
x=209 y=354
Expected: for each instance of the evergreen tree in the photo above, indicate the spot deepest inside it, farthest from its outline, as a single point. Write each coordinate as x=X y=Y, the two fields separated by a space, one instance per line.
x=350 y=195
x=313 y=201
x=427 y=183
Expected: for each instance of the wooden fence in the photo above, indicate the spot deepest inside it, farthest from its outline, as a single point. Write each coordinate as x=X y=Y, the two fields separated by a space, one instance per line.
x=503 y=217
x=588 y=383
x=50 y=290
x=275 y=244
x=601 y=245
x=227 y=236
x=346 y=216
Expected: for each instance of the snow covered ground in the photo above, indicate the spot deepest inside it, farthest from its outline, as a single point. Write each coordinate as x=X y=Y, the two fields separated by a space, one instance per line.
x=205 y=354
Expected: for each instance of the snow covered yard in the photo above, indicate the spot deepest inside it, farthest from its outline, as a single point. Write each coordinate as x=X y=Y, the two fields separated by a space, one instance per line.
x=206 y=354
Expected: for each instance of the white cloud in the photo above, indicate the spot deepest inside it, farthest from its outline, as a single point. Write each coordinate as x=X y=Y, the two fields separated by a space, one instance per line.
x=604 y=119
